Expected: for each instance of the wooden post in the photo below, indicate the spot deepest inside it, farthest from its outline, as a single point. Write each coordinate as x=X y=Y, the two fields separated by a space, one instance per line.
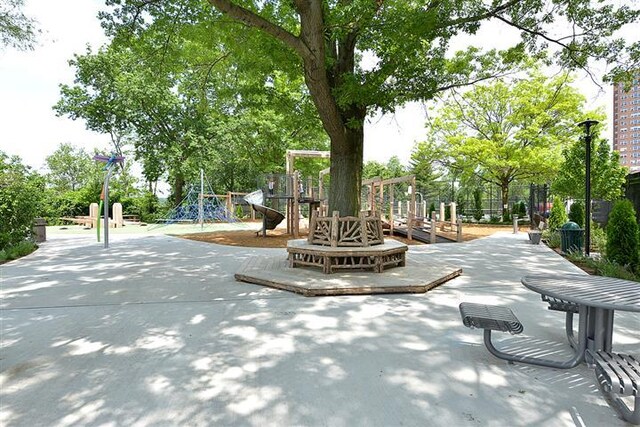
x=442 y=216
x=363 y=228
x=312 y=226
x=376 y=214
x=459 y=230
x=228 y=204
x=296 y=205
x=381 y=197
x=335 y=223
x=374 y=203
x=391 y=207
x=515 y=224
x=410 y=218
x=432 y=230
x=453 y=214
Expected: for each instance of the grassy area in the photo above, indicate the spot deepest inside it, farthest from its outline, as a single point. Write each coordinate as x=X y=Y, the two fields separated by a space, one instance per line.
x=17 y=251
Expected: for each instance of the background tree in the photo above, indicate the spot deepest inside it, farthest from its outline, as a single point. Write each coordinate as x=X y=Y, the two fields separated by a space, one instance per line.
x=477 y=204
x=425 y=165
x=67 y=168
x=188 y=106
x=500 y=133
x=607 y=174
x=408 y=42
x=16 y=29
x=21 y=192
x=392 y=169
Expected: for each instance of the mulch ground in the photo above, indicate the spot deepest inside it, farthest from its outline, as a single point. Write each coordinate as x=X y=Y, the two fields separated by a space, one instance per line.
x=278 y=238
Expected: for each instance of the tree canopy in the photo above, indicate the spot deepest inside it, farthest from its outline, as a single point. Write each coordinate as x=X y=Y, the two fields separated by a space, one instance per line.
x=16 y=29
x=189 y=103
x=409 y=44
x=504 y=132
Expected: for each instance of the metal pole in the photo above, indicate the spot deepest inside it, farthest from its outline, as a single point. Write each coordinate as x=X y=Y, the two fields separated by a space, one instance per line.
x=201 y=200
x=106 y=208
x=587 y=226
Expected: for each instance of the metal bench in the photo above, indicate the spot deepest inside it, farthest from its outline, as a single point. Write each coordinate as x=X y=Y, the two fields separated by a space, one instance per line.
x=618 y=375
x=497 y=318
x=489 y=317
x=570 y=308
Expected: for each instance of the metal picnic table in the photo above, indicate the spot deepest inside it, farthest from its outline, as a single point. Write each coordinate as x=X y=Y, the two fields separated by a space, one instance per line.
x=598 y=298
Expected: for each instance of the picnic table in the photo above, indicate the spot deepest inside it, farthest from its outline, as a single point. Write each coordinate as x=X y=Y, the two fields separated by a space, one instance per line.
x=598 y=298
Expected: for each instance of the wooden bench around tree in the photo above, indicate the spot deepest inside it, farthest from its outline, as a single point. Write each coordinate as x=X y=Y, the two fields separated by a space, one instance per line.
x=618 y=376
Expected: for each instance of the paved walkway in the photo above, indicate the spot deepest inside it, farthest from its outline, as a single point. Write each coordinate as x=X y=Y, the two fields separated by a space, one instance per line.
x=155 y=331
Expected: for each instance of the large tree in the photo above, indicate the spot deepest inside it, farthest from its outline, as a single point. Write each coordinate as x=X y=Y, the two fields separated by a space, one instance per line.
x=508 y=131
x=408 y=44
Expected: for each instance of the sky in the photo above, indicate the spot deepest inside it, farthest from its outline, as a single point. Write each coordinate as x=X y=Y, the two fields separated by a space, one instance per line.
x=29 y=87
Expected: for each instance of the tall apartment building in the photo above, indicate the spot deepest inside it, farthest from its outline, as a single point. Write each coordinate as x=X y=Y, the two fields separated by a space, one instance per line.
x=626 y=124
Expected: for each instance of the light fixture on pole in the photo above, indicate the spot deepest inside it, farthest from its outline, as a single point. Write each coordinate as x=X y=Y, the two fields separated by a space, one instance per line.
x=587 y=124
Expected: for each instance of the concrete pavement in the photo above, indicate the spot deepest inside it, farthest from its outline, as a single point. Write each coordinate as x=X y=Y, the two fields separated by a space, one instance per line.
x=155 y=331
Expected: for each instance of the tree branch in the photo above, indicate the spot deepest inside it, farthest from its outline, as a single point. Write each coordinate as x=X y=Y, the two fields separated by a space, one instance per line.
x=254 y=20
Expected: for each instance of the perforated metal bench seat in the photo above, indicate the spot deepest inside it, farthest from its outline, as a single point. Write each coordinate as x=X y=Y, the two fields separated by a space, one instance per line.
x=619 y=375
x=560 y=304
x=497 y=318
x=493 y=317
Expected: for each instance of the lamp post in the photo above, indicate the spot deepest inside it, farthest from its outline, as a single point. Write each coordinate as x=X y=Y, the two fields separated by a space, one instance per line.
x=587 y=124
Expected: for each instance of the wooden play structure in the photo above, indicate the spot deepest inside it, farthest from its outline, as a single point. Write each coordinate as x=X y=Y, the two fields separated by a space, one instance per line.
x=292 y=190
x=421 y=228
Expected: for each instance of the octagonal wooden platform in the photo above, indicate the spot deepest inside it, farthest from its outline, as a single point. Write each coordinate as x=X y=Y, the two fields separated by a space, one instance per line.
x=417 y=276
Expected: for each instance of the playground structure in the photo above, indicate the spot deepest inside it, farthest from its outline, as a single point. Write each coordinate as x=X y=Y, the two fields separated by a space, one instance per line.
x=200 y=206
x=292 y=190
x=412 y=226
x=271 y=218
x=297 y=191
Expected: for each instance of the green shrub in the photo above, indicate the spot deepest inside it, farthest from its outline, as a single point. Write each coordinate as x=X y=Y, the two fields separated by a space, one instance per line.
x=477 y=204
x=598 y=239
x=17 y=251
x=576 y=214
x=495 y=219
x=558 y=215
x=622 y=235
x=519 y=209
x=607 y=268
x=447 y=212
x=20 y=198
x=552 y=237
x=432 y=208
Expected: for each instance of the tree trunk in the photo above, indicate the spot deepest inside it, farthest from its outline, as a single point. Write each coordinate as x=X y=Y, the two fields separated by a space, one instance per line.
x=346 y=172
x=178 y=188
x=504 y=189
